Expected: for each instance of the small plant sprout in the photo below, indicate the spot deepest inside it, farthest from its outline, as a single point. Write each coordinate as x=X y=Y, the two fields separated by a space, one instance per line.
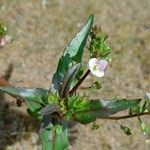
x=97 y=67
x=62 y=102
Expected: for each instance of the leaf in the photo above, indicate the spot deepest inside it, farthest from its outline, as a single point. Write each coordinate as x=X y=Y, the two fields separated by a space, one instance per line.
x=73 y=52
x=76 y=46
x=49 y=109
x=125 y=129
x=102 y=108
x=35 y=114
x=3 y=30
x=54 y=137
x=35 y=98
x=144 y=127
x=135 y=109
x=65 y=86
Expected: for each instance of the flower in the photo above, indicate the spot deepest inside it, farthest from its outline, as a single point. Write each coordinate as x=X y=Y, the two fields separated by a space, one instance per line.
x=97 y=67
x=5 y=40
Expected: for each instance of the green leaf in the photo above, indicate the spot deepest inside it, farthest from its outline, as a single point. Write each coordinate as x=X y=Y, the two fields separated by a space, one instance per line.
x=144 y=127
x=101 y=109
x=76 y=46
x=49 y=109
x=54 y=137
x=35 y=98
x=66 y=83
x=73 y=52
x=125 y=129
x=35 y=114
x=3 y=30
x=135 y=109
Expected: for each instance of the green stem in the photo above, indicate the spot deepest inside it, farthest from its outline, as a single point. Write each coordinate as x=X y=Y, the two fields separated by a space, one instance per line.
x=126 y=116
x=79 y=82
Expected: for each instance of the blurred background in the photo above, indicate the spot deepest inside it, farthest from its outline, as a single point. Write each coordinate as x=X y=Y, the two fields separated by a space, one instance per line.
x=40 y=30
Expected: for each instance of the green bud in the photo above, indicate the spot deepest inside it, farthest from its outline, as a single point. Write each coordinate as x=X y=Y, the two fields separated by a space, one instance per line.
x=3 y=30
x=125 y=129
x=144 y=128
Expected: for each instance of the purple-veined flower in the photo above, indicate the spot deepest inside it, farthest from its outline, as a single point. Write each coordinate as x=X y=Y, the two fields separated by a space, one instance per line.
x=97 y=67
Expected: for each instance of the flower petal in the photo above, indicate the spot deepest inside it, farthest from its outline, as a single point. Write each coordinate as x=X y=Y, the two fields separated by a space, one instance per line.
x=102 y=64
x=92 y=63
x=97 y=67
x=98 y=73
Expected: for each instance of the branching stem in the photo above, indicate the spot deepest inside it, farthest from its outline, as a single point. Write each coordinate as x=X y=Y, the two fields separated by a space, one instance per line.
x=126 y=116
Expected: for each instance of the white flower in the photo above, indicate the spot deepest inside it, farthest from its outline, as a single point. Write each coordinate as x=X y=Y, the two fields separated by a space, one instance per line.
x=97 y=67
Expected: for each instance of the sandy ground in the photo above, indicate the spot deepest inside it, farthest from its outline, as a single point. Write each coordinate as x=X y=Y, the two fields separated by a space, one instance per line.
x=41 y=29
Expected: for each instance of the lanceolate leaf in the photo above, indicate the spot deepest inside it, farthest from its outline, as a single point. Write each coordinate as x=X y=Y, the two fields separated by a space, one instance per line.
x=73 y=52
x=76 y=46
x=54 y=137
x=102 y=108
x=35 y=98
x=49 y=109
x=65 y=86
